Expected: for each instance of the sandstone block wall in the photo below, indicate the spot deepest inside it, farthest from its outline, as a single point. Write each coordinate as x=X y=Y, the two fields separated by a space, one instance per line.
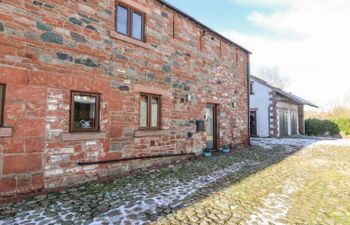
x=49 y=48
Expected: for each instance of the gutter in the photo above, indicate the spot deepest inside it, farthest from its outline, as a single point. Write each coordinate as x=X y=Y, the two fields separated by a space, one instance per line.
x=135 y=158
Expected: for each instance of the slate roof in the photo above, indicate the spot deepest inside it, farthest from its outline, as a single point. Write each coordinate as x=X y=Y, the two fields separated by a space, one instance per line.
x=286 y=94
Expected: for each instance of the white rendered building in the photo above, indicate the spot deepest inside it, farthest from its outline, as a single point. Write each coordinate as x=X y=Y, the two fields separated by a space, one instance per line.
x=274 y=112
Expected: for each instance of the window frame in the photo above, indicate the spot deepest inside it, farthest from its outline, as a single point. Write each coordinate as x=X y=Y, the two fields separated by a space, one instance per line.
x=149 y=111
x=131 y=10
x=2 y=104
x=72 y=129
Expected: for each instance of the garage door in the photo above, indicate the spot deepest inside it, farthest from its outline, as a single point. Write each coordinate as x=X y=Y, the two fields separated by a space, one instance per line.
x=294 y=122
x=283 y=117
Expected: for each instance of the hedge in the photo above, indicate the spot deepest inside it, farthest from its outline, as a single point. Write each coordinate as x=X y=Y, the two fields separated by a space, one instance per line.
x=316 y=127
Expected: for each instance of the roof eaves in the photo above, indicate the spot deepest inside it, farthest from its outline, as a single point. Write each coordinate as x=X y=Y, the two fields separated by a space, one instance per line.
x=284 y=93
x=295 y=98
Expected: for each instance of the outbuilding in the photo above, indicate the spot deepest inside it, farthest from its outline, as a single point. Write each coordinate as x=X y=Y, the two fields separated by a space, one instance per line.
x=275 y=112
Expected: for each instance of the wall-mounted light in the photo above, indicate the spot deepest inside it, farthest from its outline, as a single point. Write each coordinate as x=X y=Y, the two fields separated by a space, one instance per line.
x=188 y=97
x=206 y=114
x=234 y=104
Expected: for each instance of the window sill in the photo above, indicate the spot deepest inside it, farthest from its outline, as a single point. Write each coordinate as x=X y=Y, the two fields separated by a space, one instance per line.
x=115 y=35
x=150 y=133
x=6 y=131
x=82 y=136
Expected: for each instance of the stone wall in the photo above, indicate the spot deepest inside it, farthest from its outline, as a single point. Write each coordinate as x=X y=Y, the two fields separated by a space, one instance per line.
x=49 y=48
x=273 y=115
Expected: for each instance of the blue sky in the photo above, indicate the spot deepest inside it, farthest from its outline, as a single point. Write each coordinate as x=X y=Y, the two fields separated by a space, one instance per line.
x=306 y=40
x=222 y=15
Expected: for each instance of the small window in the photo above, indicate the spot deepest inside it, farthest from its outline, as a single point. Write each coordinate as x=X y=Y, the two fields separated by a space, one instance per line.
x=122 y=20
x=85 y=110
x=251 y=88
x=149 y=111
x=2 y=104
x=130 y=22
x=137 y=25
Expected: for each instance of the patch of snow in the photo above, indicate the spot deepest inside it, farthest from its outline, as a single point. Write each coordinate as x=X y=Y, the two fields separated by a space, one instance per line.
x=275 y=207
x=291 y=143
x=172 y=197
x=337 y=142
x=273 y=142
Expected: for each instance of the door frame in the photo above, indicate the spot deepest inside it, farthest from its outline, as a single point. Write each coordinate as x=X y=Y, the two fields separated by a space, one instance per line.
x=215 y=127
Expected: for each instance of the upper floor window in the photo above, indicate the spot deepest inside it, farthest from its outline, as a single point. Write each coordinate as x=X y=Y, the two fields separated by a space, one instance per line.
x=149 y=111
x=130 y=22
x=251 y=88
x=2 y=103
x=85 y=111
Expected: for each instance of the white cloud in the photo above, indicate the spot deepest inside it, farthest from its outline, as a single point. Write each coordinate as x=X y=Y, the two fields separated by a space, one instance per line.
x=311 y=45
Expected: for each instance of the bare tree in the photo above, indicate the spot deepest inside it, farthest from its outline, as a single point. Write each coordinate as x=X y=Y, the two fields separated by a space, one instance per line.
x=335 y=109
x=272 y=76
x=346 y=100
x=340 y=108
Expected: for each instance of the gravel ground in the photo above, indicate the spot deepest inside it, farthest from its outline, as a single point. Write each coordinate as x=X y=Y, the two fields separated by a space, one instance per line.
x=277 y=181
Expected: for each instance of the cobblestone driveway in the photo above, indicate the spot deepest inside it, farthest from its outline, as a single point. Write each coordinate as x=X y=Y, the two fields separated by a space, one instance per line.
x=278 y=181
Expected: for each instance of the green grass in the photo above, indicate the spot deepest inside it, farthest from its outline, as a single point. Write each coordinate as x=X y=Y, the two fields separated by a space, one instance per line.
x=321 y=177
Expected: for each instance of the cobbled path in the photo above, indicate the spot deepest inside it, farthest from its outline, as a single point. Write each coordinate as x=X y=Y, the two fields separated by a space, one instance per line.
x=277 y=181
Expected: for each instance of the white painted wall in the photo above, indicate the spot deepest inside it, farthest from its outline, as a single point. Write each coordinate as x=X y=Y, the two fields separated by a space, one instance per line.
x=260 y=100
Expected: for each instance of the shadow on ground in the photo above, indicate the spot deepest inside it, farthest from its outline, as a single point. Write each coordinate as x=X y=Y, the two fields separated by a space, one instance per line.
x=148 y=196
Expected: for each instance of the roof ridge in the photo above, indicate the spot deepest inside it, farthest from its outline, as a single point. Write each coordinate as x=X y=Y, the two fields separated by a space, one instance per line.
x=289 y=95
x=202 y=24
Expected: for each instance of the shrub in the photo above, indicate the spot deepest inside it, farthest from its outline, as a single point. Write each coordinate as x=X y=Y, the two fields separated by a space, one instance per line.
x=344 y=125
x=316 y=127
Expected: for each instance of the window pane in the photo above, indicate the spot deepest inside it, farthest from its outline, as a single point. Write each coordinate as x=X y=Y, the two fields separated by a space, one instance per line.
x=155 y=112
x=122 y=20
x=85 y=112
x=137 y=26
x=1 y=103
x=143 y=111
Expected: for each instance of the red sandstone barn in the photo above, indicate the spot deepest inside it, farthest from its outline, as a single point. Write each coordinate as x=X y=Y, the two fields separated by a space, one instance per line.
x=85 y=83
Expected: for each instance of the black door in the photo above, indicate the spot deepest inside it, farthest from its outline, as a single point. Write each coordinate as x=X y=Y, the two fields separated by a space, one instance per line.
x=253 y=124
